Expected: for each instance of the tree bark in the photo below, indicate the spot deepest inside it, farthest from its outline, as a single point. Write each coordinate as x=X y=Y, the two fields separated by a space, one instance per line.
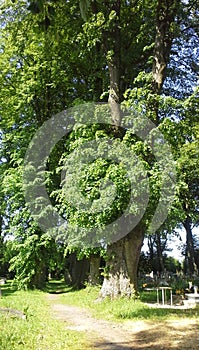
x=40 y=277
x=78 y=270
x=151 y=248
x=122 y=265
x=112 y=48
x=159 y=248
x=114 y=98
x=133 y=246
x=165 y=15
x=94 y=273
x=190 y=252
x=116 y=280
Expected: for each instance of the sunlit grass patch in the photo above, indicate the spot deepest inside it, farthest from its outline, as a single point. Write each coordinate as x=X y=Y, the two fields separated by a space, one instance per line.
x=123 y=308
x=39 y=331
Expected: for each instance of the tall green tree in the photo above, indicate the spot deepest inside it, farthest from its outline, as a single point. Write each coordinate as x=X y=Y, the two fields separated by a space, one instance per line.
x=189 y=182
x=34 y=83
x=123 y=255
x=128 y=250
x=45 y=70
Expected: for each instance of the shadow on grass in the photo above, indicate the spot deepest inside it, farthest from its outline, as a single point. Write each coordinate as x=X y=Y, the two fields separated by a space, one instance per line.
x=57 y=287
x=8 y=289
x=169 y=337
x=114 y=346
x=52 y=287
x=158 y=337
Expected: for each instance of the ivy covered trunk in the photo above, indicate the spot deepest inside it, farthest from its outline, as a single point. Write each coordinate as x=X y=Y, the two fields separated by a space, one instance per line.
x=120 y=276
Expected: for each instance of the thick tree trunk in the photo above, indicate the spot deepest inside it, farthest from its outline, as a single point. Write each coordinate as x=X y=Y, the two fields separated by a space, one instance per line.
x=122 y=265
x=116 y=280
x=94 y=273
x=67 y=277
x=78 y=270
x=133 y=246
x=40 y=277
x=192 y=266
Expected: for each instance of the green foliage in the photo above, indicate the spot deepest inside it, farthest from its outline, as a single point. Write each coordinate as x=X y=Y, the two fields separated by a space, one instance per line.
x=33 y=256
x=172 y=264
x=50 y=60
x=97 y=187
x=35 y=82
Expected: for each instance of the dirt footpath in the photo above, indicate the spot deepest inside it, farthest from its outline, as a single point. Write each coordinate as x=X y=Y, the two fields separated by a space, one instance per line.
x=130 y=335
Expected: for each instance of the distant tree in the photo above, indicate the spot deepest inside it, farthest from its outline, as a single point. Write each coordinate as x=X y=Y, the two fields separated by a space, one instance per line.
x=172 y=264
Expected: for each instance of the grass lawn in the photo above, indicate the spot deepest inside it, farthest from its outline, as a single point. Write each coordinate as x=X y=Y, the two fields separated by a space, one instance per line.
x=39 y=331
x=123 y=309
